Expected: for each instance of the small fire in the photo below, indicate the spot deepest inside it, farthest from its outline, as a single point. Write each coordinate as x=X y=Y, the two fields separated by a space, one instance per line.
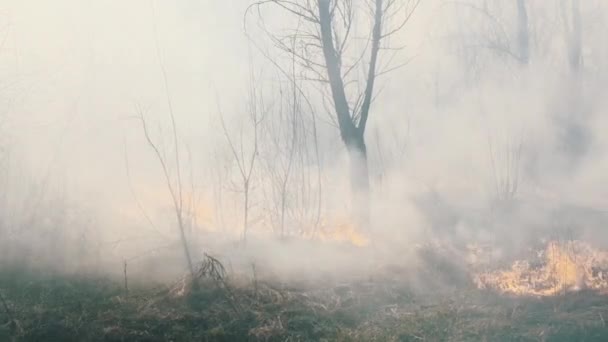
x=561 y=267
x=342 y=232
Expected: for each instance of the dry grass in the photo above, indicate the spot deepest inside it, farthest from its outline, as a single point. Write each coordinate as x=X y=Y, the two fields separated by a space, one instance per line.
x=563 y=266
x=227 y=307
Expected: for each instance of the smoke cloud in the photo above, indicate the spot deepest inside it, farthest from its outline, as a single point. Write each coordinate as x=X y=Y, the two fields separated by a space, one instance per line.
x=466 y=145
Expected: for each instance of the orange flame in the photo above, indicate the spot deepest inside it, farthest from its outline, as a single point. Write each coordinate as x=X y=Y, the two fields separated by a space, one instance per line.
x=342 y=232
x=563 y=266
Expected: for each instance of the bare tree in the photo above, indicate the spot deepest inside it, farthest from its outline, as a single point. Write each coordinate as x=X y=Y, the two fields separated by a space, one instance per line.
x=328 y=33
x=506 y=164
x=291 y=157
x=244 y=157
x=282 y=136
x=494 y=35
x=572 y=114
x=174 y=187
x=296 y=190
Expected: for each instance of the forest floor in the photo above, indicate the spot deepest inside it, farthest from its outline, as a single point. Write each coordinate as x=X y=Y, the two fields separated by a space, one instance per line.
x=49 y=307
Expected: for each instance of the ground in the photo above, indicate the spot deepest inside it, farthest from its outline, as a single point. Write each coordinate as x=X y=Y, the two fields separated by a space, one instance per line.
x=44 y=306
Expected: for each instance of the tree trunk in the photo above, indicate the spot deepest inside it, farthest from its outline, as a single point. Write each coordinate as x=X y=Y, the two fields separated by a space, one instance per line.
x=359 y=177
x=184 y=240
x=352 y=135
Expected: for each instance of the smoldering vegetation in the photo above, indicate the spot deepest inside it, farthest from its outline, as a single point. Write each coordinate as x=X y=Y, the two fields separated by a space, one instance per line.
x=184 y=171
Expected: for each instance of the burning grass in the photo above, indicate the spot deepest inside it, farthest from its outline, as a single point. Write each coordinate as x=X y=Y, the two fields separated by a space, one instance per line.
x=563 y=266
x=344 y=232
x=242 y=307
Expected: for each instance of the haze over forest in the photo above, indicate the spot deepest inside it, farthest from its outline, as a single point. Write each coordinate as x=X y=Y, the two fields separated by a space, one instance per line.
x=462 y=121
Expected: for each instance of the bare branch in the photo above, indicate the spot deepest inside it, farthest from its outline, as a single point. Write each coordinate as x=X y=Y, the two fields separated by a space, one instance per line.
x=292 y=7
x=404 y=21
x=170 y=106
x=371 y=73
